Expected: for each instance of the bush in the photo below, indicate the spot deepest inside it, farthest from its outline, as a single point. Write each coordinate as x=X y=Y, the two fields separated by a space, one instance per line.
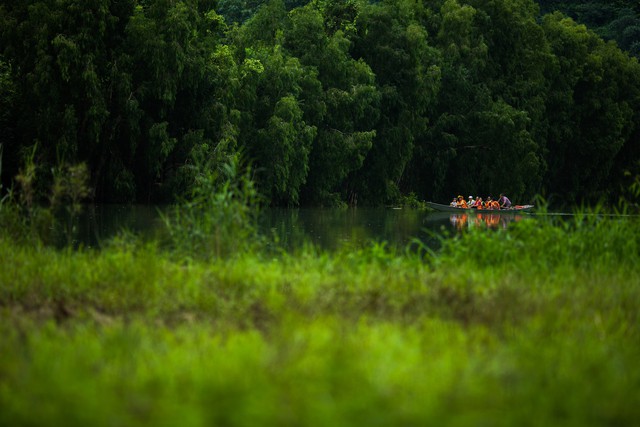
x=220 y=216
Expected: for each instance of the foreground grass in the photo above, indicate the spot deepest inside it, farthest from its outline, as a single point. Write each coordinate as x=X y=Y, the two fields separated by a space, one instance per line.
x=535 y=326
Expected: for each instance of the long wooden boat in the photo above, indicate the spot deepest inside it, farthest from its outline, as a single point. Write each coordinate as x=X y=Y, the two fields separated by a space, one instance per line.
x=448 y=208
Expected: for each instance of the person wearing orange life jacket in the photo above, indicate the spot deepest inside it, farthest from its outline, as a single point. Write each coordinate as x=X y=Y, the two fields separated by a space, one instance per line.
x=487 y=202
x=492 y=204
x=462 y=203
x=479 y=203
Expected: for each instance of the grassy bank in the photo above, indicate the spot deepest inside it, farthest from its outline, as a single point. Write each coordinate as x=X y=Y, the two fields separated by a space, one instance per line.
x=537 y=325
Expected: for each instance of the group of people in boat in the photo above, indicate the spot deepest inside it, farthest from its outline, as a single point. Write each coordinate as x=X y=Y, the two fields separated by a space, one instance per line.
x=502 y=202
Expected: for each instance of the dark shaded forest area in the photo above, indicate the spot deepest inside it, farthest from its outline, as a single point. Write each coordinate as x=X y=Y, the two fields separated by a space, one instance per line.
x=617 y=20
x=330 y=102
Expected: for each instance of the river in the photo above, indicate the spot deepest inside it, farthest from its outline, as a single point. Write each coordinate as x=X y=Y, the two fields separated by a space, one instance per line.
x=291 y=228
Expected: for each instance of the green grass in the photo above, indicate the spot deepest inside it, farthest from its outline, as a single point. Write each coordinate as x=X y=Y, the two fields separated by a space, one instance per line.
x=534 y=326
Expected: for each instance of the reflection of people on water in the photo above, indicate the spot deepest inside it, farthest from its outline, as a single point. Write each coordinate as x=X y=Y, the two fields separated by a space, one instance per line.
x=483 y=218
x=492 y=220
x=459 y=221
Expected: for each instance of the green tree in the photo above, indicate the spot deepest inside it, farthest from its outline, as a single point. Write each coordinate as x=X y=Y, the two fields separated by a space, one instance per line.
x=118 y=85
x=617 y=20
x=273 y=131
x=464 y=92
x=488 y=131
x=391 y=38
x=167 y=45
x=58 y=52
x=7 y=99
x=594 y=110
x=239 y=11
x=283 y=147
x=345 y=109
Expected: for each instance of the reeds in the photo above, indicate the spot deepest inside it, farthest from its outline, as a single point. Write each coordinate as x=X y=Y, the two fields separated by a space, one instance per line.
x=219 y=217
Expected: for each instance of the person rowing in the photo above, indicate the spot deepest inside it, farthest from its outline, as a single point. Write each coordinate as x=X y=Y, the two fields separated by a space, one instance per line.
x=504 y=202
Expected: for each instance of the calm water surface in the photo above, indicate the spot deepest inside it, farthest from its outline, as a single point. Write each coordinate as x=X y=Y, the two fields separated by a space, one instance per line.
x=291 y=228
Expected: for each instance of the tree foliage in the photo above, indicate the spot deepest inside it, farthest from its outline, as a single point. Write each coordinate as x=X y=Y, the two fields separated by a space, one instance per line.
x=332 y=102
x=617 y=20
x=594 y=108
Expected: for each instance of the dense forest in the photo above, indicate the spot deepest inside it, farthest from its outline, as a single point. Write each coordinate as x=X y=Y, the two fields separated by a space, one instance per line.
x=617 y=20
x=330 y=101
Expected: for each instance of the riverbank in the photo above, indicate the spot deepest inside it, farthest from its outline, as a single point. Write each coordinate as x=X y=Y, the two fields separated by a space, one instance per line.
x=536 y=325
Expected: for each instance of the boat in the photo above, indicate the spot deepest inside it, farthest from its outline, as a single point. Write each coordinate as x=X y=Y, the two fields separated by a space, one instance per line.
x=448 y=208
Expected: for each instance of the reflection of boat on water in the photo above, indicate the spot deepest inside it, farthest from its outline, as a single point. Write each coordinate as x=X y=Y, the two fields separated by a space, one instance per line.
x=446 y=208
x=488 y=218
